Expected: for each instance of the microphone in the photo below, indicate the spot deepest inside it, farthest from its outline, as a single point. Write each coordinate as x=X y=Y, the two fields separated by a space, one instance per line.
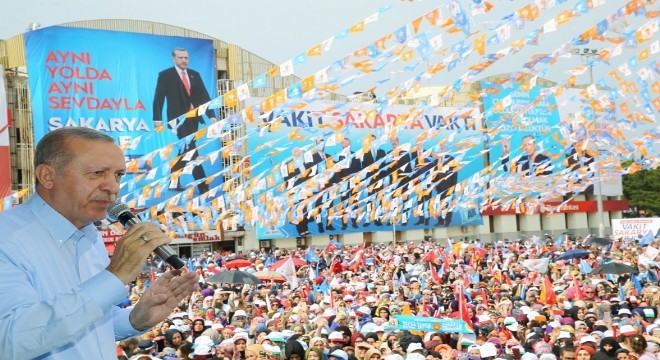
x=121 y=212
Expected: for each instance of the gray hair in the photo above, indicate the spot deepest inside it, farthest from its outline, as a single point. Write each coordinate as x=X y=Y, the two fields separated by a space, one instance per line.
x=53 y=148
x=178 y=49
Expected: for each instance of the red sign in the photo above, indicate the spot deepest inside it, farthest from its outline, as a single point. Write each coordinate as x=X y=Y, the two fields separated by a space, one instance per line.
x=203 y=237
x=110 y=235
x=557 y=207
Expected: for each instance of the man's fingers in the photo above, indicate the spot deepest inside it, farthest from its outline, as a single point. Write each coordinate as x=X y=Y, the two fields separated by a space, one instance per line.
x=167 y=276
x=181 y=284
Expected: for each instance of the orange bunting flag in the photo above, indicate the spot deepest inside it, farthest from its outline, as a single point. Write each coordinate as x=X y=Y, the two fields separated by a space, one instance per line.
x=563 y=17
x=407 y=55
x=415 y=24
x=656 y=87
x=656 y=104
x=280 y=97
x=307 y=83
x=357 y=27
x=231 y=99
x=480 y=44
x=274 y=71
x=314 y=51
x=524 y=12
x=615 y=75
x=268 y=104
x=248 y=114
x=360 y=53
x=433 y=17
x=380 y=43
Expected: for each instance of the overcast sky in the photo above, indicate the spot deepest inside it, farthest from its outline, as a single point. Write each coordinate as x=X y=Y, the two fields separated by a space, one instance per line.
x=280 y=29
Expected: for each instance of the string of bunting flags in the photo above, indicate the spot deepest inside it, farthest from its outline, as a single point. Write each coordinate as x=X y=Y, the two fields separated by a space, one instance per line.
x=377 y=193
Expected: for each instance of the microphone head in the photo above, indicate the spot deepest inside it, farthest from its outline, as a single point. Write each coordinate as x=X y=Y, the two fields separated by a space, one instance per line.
x=116 y=209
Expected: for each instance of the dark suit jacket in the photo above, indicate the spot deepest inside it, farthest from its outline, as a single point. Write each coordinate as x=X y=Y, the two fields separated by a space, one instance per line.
x=447 y=177
x=342 y=174
x=368 y=159
x=399 y=169
x=539 y=166
x=171 y=87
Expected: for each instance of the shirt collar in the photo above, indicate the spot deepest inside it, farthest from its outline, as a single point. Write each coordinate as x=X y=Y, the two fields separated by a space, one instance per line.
x=59 y=227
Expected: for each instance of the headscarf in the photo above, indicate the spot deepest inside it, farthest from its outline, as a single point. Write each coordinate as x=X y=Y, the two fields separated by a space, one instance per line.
x=169 y=334
x=293 y=346
x=254 y=348
x=228 y=350
x=318 y=352
x=609 y=341
x=371 y=352
x=586 y=348
x=196 y=334
x=214 y=335
x=354 y=337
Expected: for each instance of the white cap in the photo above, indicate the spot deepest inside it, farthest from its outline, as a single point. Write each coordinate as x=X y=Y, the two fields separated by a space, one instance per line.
x=364 y=310
x=348 y=298
x=487 y=350
x=240 y=313
x=624 y=311
x=414 y=347
x=587 y=338
x=393 y=356
x=240 y=336
x=340 y=354
x=563 y=335
x=204 y=340
x=336 y=335
x=202 y=350
x=628 y=330
x=529 y=356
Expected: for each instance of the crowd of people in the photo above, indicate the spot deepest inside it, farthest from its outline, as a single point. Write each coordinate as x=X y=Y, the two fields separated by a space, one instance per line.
x=518 y=300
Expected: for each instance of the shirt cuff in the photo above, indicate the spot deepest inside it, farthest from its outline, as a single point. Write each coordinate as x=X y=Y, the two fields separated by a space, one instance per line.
x=105 y=289
x=122 y=324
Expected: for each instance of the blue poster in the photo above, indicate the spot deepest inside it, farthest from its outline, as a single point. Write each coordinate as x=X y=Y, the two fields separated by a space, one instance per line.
x=426 y=324
x=327 y=172
x=133 y=87
x=525 y=153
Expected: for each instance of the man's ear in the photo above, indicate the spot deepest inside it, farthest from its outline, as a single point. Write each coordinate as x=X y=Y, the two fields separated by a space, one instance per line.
x=45 y=174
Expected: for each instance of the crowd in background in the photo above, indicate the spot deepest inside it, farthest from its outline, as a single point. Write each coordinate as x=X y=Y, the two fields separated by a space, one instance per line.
x=518 y=298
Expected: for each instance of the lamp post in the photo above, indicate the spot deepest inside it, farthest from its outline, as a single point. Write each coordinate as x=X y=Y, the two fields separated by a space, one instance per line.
x=586 y=55
x=395 y=206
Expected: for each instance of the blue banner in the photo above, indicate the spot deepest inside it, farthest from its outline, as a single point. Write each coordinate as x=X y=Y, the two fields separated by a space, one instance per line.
x=526 y=151
x=122 y=84
x=328 y=172
x=426 y=324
